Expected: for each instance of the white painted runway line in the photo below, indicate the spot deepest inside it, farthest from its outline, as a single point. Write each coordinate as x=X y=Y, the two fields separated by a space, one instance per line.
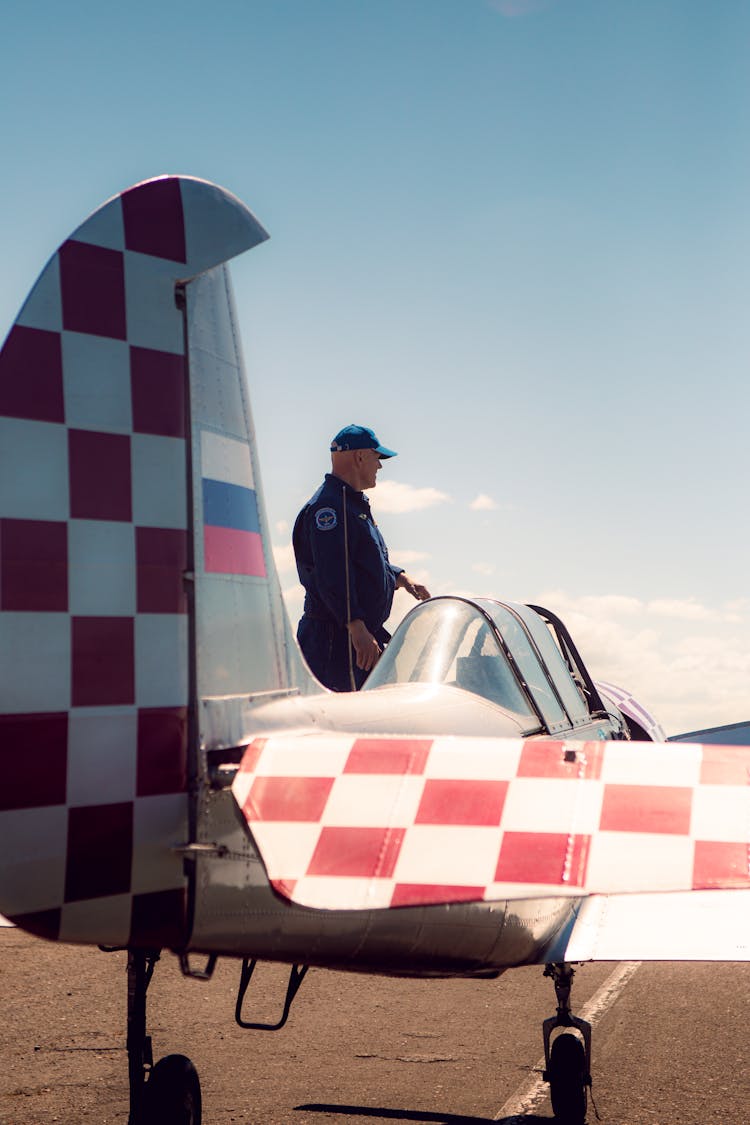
x=534 y=1089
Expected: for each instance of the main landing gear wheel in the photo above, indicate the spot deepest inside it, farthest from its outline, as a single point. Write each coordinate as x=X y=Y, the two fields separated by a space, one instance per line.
x=172 y=1095
x=168 y=1093
x=568 y=1079
x=567 y=1057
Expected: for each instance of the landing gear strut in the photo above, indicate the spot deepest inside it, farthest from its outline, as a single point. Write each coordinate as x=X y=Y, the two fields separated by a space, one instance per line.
x=567 y=1058
x=168 y=1093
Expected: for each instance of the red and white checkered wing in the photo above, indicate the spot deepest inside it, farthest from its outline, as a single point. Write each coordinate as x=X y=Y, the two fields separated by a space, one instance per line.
x=358 y=823
x=96 y=445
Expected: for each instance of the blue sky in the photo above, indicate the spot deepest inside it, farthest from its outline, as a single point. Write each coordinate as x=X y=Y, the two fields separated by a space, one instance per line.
x=511 y=235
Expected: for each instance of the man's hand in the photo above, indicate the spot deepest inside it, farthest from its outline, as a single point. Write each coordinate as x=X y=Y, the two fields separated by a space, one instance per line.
x=366 y=648
x=404 y=582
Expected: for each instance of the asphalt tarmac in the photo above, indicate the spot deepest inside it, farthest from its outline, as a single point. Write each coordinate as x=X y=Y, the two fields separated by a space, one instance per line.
x=669 y=1043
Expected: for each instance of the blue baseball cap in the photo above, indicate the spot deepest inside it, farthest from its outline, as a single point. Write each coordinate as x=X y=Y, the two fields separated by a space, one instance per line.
x=359 y=437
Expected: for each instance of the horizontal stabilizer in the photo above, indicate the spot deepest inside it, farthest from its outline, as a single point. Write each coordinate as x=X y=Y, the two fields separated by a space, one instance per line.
x=357 y=823
x=731 y=734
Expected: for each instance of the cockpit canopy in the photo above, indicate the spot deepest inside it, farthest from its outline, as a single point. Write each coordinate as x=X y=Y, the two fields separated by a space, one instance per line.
x=501 y=651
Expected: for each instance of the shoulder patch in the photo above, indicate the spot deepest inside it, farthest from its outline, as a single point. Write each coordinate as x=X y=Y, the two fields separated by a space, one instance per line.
x=325 y=519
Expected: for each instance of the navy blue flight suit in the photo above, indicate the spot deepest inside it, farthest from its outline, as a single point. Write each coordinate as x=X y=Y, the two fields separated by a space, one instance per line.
x=321 y=553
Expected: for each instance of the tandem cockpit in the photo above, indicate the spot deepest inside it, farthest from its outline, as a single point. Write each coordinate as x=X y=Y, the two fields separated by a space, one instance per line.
x=474 y=667
x=518 y=658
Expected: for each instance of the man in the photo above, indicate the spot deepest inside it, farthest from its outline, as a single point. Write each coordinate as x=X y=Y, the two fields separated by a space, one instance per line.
x=343 y=564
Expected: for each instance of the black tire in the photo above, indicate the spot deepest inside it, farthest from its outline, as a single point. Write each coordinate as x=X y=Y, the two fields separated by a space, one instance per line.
x=567 y=1079
x=172 y=1095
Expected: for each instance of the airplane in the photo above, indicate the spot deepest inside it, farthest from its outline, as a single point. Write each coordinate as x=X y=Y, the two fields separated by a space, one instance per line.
x=176 y=779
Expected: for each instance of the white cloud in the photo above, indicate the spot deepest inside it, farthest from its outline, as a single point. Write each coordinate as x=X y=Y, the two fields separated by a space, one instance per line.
x=687 y=663
x=688 y=609
x=597 y=605
x=483 y=503
x=484 y=568
x=294 y=597
x=281 y=527
x=406 y=558
x=284 y=558
x=392 y=496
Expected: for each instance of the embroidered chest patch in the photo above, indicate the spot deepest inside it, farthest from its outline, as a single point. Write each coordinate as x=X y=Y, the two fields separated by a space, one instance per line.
x=325 y=519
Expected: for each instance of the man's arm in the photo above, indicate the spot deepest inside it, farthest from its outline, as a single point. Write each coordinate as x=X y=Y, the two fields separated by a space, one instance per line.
x=366 y=648
x=404 y=582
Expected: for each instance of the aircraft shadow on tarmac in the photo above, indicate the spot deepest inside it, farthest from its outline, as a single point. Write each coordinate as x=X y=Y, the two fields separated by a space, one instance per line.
x=428 y=1118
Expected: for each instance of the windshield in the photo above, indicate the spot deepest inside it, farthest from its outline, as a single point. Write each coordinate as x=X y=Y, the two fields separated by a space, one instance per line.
x=513 y=634
x=448 y=641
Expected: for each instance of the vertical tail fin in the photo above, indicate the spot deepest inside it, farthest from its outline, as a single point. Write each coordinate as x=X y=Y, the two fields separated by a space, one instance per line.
x=135 y=568
x=243 y=639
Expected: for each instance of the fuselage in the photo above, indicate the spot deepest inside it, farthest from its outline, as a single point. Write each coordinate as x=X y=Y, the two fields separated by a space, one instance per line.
x=238 y=913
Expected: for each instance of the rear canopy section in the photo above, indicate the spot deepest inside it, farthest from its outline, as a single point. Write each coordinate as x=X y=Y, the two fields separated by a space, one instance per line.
x=128 y=493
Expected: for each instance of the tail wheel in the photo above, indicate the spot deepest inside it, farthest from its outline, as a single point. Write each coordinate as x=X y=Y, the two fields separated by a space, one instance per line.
x=568 y=1080
x=172 y=1095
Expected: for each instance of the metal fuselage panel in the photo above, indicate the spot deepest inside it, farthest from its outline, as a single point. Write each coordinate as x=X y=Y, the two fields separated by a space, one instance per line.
x=238 y=914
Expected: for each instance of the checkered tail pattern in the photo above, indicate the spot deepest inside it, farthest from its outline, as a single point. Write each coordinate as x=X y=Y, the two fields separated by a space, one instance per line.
x=112 y=452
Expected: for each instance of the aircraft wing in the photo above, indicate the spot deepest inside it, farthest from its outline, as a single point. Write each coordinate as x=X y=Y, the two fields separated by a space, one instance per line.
x=343 y=822
x=682 y=926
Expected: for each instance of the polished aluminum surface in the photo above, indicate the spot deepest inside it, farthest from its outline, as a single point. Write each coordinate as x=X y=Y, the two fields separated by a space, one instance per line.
x=238 y=913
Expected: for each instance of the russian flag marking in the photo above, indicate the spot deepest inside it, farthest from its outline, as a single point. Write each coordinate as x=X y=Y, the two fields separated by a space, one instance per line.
x=228 y=505
x=231 y=527
x=227 y=551
x=226 y=459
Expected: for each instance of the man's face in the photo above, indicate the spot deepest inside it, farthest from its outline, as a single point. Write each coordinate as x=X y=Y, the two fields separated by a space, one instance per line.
x=369 y=467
